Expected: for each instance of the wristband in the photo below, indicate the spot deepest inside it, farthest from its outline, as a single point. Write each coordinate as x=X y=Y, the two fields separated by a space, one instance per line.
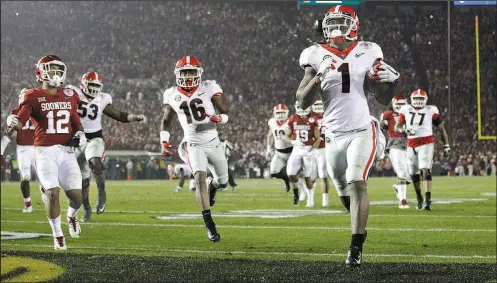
x=224 y=118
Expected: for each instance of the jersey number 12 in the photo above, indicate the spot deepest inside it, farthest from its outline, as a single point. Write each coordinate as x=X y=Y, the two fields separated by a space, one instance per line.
x=58 y=123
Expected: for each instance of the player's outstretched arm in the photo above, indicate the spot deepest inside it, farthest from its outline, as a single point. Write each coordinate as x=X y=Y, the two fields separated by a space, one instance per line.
x=308 y=88
x=167 y=118
x=121 y=116
x=443 y=131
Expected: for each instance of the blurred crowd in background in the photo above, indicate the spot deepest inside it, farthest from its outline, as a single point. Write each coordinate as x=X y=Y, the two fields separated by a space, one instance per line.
x=252 y=51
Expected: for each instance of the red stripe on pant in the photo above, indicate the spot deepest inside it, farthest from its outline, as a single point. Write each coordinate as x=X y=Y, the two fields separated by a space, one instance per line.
x=371 y=156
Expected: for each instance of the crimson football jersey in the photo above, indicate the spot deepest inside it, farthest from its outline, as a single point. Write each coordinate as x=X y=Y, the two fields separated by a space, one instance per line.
x=320 y=121
x=55 y=116
x=302 y=128
x=26 y=135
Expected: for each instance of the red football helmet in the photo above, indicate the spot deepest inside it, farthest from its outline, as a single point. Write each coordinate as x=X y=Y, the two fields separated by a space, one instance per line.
x=91 y=84
x=188 y=72
x=280 y=112
x=50 y=69
x=419 y=98
x=397 y=103
x=340 y=23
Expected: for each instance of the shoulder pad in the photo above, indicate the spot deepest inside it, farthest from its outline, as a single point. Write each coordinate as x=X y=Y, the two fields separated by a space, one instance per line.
x=167 y=93
x=304 y=56
x=25 y=93
x=208 y=83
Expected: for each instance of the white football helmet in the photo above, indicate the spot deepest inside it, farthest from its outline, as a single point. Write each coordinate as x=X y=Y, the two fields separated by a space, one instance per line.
x=419 y=98
x=397 y=103
x=188 y=72
x=300 y=111
x=51 y=69
x=340 y=22
x=91 y=84
x=280 y=112
x=318 y=107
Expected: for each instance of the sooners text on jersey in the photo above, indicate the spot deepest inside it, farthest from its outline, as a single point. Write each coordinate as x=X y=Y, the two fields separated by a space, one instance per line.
x=91 y=110
x=191 y=108
x=280 y=131
x=54 y=116
x=26 y=135
x=421 y=121
x=302 y=128
x=345 y=102
x=395 y=139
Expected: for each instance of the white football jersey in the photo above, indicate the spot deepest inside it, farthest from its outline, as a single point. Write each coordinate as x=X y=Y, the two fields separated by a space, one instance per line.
x=420 y=120
x=342 y=90
x=190 y=109
x=91 y=111
x=280 y=131
x=186 y=170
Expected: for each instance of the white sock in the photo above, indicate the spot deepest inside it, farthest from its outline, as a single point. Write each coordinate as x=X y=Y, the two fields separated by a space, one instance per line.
x=397 y=193
x=326 y=200
x=28 y=199
x=192 y=184
x=71 y=212
x=402 y=191
x=56 y=227
x=310 y=197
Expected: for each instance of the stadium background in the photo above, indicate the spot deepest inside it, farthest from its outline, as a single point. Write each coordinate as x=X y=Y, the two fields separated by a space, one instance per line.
x=252 y=50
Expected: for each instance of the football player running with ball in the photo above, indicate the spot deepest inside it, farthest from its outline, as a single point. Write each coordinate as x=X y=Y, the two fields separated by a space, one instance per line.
x=53 y=109
x=417 y=121
x=195 y=103
x=340 y=70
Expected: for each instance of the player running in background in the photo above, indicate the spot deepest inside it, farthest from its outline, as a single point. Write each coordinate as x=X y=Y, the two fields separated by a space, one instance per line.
x=320 y=157
x=228 y=148
x=305 y=137
x=92 y=106
x=58 y=130
x=417 y=121
x=181 y=171
x=397 y=146
x=195 y=103
x=338 y=70
x=278 y=146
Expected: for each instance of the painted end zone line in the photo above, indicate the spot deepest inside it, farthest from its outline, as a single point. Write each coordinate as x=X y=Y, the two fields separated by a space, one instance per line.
x=262 y=227
x=256 y=253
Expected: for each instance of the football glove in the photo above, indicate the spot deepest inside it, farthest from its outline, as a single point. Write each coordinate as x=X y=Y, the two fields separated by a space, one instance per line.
x=79 y=139
x=12 y=121
x=383 y=73
x=221 y=118
x=447 y=150
x=410 y=131
x=137 y=118
x=165 y=146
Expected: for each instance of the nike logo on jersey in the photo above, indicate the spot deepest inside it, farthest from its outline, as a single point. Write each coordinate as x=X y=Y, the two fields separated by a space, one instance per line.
x=359 y=54
x=200 y=93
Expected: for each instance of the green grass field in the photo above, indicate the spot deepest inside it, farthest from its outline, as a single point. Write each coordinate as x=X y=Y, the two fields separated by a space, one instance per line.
x=259 y=222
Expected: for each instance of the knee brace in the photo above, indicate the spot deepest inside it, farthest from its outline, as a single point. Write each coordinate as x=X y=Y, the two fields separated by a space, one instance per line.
x=416 y=178
x=427 y=176
x=96 y=165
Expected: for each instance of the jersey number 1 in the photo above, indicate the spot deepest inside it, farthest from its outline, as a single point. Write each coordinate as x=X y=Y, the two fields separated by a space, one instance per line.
x=195 y=109
x=58 y=123
x=344 y=69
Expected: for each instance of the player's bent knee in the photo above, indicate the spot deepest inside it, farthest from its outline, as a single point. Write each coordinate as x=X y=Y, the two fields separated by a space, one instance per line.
x=26 y=178
x=96 y=165
x=416 y=178
x=86 y=184
x=427 y=175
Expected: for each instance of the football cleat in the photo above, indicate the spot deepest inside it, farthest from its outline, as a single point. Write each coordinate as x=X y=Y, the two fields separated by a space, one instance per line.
x=428 y=205
x=102 y=199
x=28 y=208
x=211 y=191
x=295 y=200
x=354 y=256
x=178 y=189
x=212 y=233
x=403 y=204
x=74 y=228
x=420 y=204
x=59 y=243
x=86 y=215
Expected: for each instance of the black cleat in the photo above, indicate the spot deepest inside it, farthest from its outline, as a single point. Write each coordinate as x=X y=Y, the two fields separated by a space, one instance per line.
x=420 y=204
x=354 y=257
x=212 y=233
x=211 y=190
x=428 y=205
x=295 y=200
x=102 y=199
x=287 y=188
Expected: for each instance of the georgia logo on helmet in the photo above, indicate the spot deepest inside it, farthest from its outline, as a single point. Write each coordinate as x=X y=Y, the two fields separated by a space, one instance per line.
x=300 y=111
x=92 y=84
x=188 y=72
x=419 y=98
x=339 y=24
x=318 y=107
x=50 y=69
x=280 y=112
x=397 y=102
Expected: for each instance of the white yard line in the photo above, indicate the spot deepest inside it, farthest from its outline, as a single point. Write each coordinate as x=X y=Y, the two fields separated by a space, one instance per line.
x=155 y=249
x=261 y=227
